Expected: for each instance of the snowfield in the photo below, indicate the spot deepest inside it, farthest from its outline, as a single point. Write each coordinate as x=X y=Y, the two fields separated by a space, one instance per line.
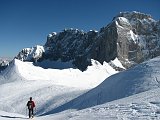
x=69 y=94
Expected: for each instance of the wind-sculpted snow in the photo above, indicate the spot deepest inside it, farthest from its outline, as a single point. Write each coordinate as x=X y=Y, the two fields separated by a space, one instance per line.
x=11 y=73
x=133 y=94
x=139 y=79
x=49 y=88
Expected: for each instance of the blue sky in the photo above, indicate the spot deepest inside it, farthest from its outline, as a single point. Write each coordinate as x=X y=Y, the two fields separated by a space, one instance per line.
x=26 y=23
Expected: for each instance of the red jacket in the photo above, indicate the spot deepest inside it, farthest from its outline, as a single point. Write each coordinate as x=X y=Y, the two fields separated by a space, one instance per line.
x=30 y=104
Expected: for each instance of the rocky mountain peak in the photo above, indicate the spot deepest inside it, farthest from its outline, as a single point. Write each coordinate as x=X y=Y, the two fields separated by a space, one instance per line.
x=31 y=54
x=132 y=37
x=134 y=15
x=138 y=36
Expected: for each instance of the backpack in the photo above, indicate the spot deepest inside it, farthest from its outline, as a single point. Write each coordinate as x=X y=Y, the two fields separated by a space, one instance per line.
x=30 y=105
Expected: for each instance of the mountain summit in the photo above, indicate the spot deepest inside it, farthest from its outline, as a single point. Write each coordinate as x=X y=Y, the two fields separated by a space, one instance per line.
x=132 y=37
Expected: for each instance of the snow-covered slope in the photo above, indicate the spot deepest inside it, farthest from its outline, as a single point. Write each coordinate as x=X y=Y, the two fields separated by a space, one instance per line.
x=133 y=94
x=90 y=78
x=142 y=106
x=50 y=88
x=139 y=79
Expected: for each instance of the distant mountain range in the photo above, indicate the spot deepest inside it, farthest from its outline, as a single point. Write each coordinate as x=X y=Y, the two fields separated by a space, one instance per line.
x=132 y=37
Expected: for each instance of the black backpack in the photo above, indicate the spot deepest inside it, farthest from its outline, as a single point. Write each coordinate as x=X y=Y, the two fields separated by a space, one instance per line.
x=30 y=105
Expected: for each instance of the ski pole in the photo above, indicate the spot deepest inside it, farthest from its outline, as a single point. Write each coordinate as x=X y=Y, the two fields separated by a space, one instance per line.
x=26 y=111
x=35 y=111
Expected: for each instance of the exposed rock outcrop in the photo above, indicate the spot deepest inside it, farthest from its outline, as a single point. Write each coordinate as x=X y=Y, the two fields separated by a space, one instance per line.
x=4 y=62
x=132 y=37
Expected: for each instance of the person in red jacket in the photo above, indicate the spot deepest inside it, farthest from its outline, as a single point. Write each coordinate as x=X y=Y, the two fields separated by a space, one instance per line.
x=30 y=105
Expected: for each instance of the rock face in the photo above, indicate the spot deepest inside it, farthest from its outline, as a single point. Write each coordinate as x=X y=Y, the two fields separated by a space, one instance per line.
x=4 y=62
x=71 y=44
x=81 y=47
x=31 y=54
x=132 y=37
x=138 y=37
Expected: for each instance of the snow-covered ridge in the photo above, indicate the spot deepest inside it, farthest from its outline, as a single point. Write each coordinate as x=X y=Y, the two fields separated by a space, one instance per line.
x=138 y=87
x=142 y=78
x=90 y=78
x=21 y=80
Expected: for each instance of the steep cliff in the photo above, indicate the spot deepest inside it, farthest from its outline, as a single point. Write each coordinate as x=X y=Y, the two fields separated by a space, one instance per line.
x=132 y=37
x=138 y=37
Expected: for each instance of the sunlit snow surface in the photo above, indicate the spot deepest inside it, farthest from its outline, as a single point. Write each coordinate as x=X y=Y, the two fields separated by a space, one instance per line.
x=133 y=94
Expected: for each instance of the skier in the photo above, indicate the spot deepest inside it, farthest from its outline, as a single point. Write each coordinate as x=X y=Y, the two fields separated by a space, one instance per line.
x=30 y=105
